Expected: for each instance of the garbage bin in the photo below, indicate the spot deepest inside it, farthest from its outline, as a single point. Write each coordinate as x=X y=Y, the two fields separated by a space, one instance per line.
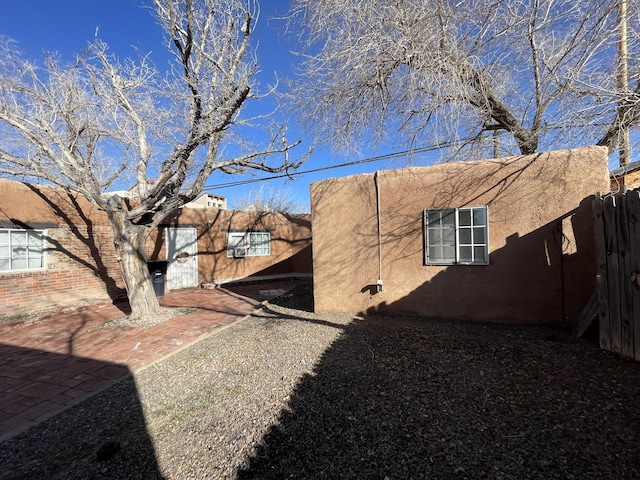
x=157 y=271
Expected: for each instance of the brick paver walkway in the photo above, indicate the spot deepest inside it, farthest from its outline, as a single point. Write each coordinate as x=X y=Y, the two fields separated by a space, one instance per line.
x=53 y=363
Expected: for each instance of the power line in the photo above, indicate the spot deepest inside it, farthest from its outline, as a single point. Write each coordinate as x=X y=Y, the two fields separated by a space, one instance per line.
x=331 y=167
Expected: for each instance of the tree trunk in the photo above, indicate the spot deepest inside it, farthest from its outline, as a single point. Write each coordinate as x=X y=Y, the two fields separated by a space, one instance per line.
x=130 y=241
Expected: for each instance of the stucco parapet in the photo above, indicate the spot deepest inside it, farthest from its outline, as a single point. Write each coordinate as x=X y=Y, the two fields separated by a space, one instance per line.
x=592 y=160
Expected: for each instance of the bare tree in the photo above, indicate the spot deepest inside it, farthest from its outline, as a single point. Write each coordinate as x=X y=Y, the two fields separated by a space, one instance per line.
x=541 y=73
x=268 y=200
x=101 y=123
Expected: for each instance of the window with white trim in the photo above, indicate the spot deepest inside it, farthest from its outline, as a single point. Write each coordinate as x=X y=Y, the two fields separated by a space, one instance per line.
x=21 y=249
x=248 y=244
x=456 y=236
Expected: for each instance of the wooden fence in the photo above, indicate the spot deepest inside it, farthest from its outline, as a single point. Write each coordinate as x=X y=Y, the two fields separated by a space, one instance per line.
x=616 y=303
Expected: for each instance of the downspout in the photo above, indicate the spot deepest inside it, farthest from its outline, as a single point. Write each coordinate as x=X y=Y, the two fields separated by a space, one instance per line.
x=379 y=282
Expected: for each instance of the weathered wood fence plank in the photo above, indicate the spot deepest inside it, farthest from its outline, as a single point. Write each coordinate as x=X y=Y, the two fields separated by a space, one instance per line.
x=626 y=300
x=617 y=236
x=601 y=277
x=633 y=209
x=613 y=272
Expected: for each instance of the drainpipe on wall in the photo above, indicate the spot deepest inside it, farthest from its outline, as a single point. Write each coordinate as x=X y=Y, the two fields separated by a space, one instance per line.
x=379 y=282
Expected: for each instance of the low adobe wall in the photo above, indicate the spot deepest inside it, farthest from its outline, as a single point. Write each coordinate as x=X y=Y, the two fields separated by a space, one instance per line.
x=542 y=255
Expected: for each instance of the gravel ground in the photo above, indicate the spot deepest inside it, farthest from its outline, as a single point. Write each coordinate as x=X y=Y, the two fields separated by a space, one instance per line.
x=290 y=394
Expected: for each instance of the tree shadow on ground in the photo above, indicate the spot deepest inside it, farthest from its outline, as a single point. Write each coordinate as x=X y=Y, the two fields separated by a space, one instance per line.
x=66 y=445
x=297 y=294
x=402 y=397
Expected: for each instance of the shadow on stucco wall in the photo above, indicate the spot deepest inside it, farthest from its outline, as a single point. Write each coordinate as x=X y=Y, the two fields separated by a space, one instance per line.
x=290 y=242
x=545 y=277
x=540 y=238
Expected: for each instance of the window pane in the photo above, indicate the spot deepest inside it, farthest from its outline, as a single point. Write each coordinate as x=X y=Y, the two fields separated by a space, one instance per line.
x=35 y=247
x=465 y=236
x=35 y=262
x=21 y=249
x=480 y=254
x=480 y=216
x=35 y=239
x=259 y=243
x=448 y=218
x=449 y=236
x=441 y=235
x=466 y=254
x=235 y=239
x=449 y=253
x=18 y=239
x=456 y=235
x=478 y=235
x=434 y=236
x=438 y=218
x=441 y=254
x=19 y=263
x=464 y=217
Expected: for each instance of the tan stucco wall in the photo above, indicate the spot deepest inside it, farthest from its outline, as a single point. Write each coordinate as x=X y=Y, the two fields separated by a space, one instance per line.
x=81 y=263
x=290 y=243
x=36 y=203
x=537 y=204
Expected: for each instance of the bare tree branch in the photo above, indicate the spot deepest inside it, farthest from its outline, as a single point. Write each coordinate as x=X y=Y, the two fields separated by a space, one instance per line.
x=433 y=71
x=101 y=123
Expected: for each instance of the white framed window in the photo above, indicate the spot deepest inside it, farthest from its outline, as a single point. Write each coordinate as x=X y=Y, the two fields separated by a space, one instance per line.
x=457 y=236
x=248 y=244
x=21 y=249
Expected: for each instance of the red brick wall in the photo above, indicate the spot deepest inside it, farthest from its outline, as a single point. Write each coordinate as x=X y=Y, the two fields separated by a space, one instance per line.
x=81 y=268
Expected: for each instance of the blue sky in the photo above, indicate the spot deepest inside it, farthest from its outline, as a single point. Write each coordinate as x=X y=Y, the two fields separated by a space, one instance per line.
x=65 y=26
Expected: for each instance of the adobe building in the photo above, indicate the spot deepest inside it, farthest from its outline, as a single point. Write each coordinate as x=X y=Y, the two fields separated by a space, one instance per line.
x=506 y=240
x=57 y=251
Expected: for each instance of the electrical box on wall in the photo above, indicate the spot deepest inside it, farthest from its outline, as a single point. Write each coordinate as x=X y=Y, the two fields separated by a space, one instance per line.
x=378 y=286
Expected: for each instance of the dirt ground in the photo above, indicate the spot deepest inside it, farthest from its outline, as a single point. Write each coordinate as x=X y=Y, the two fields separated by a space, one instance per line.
x=287 y=393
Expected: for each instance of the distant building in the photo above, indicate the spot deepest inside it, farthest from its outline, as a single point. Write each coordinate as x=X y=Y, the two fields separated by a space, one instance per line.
x=626 y=176
x=208 y=200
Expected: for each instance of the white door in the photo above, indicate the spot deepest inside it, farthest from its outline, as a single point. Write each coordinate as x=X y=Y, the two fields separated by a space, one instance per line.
x=182 y=255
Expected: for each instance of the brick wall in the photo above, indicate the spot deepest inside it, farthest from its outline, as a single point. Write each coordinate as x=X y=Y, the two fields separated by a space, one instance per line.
x=81 y=267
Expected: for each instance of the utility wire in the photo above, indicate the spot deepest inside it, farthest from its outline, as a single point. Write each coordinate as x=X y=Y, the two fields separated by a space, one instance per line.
x=330 y=167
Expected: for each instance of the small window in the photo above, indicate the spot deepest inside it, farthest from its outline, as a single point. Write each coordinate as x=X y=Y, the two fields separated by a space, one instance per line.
x=456 y=236
x=21 y=250
x=248 y=244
